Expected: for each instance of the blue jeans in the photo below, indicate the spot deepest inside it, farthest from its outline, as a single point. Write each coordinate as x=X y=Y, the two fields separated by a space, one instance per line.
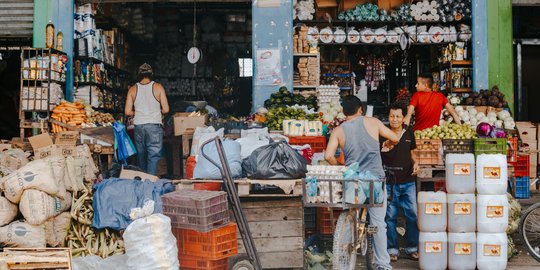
x=404 y=196
x=149 y=142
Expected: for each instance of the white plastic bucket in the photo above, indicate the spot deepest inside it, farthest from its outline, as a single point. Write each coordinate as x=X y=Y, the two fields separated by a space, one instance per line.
x=492 y=251
x=432 y=214
x=433 y=251
x=460 y=173
x=462 y=251
x=492 y=213
x=461 y=213
x=491 y=174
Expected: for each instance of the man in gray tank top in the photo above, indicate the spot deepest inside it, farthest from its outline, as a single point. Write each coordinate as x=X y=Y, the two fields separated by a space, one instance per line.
x=358 y=137
x=147 y=102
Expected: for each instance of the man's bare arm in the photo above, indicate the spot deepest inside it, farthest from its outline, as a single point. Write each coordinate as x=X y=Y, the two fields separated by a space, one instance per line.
x=128 y=110
x=163 y=99
x=331 y=148
x=453 y=112
x=410 y=112
x=387 y=133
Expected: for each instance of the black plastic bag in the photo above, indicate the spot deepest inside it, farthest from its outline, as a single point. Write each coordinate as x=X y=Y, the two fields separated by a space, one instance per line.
x=277 y=160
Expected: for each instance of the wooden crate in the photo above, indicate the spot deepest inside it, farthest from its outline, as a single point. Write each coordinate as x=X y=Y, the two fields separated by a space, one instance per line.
x=277 y=226
x=35 y=258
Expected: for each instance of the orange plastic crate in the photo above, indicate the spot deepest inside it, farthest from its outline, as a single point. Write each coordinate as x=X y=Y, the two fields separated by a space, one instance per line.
x=213 y=245
x=521 y=166
x=196 y=263
x=429 y=152
x=512 y=150
x=317 y=143
x=324 y=221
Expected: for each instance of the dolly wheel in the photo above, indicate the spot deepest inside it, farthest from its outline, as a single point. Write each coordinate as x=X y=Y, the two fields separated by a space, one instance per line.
x=243 y=264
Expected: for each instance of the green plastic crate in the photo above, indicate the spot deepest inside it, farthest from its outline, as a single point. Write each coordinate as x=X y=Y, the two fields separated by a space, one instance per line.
x=490 y=146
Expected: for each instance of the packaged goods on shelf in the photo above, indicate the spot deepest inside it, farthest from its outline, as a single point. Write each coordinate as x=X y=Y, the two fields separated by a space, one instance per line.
x=89 y=95
x=327 y=94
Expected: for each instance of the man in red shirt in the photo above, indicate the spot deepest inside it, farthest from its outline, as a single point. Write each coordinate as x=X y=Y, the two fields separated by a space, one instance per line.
x=427 y=105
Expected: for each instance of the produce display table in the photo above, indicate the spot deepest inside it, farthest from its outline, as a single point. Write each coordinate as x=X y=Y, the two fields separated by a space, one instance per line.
x=277 y=225
x=429 y=174
x=291 y=187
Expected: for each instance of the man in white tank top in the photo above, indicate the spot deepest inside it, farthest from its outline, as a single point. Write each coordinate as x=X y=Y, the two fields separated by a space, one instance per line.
x=147 y=102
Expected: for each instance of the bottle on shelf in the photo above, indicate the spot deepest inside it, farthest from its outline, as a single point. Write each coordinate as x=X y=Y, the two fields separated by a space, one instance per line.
x=49 y=35
x=60 y=41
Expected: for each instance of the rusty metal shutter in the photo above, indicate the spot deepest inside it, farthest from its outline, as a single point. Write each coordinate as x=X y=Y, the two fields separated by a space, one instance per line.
x=16 y=18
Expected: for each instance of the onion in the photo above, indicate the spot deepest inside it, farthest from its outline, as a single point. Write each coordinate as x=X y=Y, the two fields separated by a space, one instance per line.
x=483 y=129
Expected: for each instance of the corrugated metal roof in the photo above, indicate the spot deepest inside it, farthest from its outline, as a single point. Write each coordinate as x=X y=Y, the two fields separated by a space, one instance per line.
x=526 y=2
x=16 y=18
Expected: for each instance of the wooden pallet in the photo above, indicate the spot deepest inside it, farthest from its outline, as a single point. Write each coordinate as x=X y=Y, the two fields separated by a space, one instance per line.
x=35 y=258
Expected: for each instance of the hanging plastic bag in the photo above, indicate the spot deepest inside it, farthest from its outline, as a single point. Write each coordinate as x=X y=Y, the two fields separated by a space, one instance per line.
x=363 y=179
x=277 y=160
x=122 y=143
x=150 y=244
x=204 y=169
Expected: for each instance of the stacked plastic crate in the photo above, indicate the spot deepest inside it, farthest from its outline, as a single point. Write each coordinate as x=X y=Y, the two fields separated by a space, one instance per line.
x=200 y=220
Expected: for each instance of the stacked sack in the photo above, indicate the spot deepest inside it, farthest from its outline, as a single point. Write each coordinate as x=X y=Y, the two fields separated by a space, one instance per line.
x=476 y=225
x=40 y=190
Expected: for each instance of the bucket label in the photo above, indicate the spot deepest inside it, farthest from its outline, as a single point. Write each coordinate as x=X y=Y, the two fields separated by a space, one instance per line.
x=495 y=211
x=463 y=248
x=492 y=172
x=492 y=250
x=462 y=169
x=433 y=247
x=462 y=208
x=433 y=209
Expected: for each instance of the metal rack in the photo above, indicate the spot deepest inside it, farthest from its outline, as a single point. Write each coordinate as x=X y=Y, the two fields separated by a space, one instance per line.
x=40 y=68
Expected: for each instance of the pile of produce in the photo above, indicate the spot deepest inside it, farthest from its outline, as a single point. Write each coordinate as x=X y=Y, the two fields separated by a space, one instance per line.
x=366 y=12
x=514 y=217
x=494 y=98
x=470 y=116
x=96 y=119
x=275 y=116
x=331 y=111
x=447 y=131
x=284 y=98
x=72 y=114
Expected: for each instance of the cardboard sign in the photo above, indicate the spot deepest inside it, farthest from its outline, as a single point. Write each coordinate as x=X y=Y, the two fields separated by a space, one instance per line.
x=130 y=174
x=40 y=141
x=67 y=138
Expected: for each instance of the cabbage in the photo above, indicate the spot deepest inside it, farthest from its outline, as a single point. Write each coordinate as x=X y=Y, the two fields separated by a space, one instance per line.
x=483 y=129
x=492 y=119
x=341 y=116
x=472 y=111
x=509 y=124
x=328 y=118
x=474 y=121
x=492 y=115
x=465 y=117
x=459 y=109
x=499 y=124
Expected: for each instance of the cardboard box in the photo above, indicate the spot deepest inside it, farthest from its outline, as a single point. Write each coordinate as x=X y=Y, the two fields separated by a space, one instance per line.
x=529 y=145
x=184 y=123
x=43 y=146
x=67 y=138
x=533 y=163
x=527 y=131
x=130 y=174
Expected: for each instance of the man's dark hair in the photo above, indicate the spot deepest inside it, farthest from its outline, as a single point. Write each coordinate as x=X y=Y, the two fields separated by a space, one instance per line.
x=350 y=105
x=428 y=78
x=398 y=106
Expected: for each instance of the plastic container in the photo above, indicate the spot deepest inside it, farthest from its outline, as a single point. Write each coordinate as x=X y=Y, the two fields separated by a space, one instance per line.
x=325 y=223
x=462 y=251
x=458 y=146
x=460 y=173
x=523 y=187
x=521 y=166
x=461 y=213
x=214 y=245
x=491 y=174
x=310 y=217
x=491 y=251
x=317 y=143
x=490 y=146
x=429 y=152
x=432 y=212
x=433 y=251
x=492 y=213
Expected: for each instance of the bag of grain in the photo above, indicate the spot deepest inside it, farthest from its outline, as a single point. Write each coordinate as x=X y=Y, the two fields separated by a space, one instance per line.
x=90 y=168
x=42 y=174
x=37 y=206
x=73 y=178
x=23 y=235
x=56 y=229
x=8 y=211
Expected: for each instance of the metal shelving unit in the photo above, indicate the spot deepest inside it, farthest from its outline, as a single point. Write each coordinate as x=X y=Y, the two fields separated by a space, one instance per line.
x=41 y=70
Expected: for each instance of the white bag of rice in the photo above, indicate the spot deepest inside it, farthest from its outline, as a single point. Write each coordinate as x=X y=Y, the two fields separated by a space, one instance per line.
x=56 y=230
x=23 y=235
x=37 y=206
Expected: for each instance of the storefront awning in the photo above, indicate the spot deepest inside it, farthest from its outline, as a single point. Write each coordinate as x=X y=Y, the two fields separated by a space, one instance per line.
x=16 y=18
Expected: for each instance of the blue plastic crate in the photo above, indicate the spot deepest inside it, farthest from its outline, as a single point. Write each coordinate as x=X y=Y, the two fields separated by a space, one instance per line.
x=310 y=217
x=523 y=186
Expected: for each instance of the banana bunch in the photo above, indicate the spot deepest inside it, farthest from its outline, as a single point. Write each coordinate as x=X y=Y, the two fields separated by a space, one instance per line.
x=84 y=240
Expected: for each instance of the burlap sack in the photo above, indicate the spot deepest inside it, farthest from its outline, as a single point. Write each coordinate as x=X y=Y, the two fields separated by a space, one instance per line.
x=8 y=211
x=23 y=235
x=56 y=230
x=43 y=174
x=37 y=206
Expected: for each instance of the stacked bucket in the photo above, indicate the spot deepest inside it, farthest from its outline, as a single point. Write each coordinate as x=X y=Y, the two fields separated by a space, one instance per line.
x=461 y=230
x=200 y=222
